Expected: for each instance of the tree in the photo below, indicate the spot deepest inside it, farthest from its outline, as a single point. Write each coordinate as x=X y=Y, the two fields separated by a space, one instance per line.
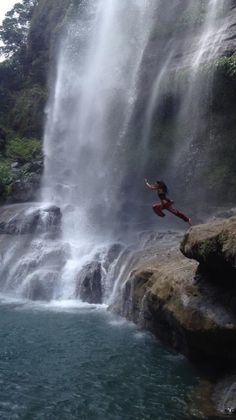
x=15 y=28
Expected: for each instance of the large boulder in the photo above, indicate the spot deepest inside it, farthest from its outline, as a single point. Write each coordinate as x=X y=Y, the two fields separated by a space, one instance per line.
x=170 y=302
x=213 y=245
x=179 y=300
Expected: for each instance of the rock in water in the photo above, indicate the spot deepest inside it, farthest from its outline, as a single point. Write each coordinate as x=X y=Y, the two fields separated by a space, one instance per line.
x=89 y=287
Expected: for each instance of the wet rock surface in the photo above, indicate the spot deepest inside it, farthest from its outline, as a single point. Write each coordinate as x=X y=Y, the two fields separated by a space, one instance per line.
x=89 y=288
x=29 y=218
x=40 y=287
x=180 y=300
x=188 y=300
x=23 y=190
x=213 y=245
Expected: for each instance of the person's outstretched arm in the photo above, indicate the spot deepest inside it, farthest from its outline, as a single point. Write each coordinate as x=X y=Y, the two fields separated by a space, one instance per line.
x=151 y=186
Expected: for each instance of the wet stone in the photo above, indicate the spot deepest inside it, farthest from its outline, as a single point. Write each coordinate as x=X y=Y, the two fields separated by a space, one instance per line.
x=89 y=283
x=20 y=219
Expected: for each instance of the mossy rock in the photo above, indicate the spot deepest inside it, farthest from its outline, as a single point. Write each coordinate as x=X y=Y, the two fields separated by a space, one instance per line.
x=213 y=245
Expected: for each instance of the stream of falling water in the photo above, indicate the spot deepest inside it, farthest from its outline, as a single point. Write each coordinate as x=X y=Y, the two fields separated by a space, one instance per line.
x=94 y=169
x=90 y=110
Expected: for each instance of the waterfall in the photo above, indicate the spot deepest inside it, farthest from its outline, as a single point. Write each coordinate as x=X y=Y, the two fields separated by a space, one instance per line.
x=90 y=111
x=196 y=97
x=182 y=87
x=119 y=66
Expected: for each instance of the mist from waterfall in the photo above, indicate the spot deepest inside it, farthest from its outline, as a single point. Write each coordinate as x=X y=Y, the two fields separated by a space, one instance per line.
x=176 y=111
x=128 y=102
x=192 y=126
x=90 y=111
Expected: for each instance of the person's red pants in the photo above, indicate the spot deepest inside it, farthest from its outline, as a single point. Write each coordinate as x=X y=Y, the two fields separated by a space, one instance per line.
x=157 y=208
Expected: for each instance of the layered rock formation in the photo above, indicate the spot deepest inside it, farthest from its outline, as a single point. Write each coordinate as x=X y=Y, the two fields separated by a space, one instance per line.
x=188 y=305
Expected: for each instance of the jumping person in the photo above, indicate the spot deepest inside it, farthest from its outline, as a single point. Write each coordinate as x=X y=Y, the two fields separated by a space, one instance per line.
x=166 y=203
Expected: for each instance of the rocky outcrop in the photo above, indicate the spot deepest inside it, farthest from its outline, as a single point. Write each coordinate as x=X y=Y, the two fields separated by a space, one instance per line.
x=25 y=218
x=91 y=279
x=213 y=246
x=89 y=288
x=190 y=306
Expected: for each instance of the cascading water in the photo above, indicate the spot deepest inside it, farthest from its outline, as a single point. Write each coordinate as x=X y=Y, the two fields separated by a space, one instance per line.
x=100 y=119
x=88 y=120
x=89 y=115
x=196 y=96
x=181 y=94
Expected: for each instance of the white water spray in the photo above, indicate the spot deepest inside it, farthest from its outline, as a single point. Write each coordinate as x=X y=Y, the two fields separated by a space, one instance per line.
x=89 y=114
x=95 y=105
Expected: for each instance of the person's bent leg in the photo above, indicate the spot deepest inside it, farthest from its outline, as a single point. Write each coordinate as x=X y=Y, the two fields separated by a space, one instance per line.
x=157 y=208
x=178 y=214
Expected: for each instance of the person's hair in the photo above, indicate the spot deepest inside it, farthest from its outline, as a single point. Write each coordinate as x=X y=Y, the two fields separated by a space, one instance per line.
x=163 y=186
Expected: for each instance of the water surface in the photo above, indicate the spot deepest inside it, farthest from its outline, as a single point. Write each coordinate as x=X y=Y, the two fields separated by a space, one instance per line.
x=58 y=362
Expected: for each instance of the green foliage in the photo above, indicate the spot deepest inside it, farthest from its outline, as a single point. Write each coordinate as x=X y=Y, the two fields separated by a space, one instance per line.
x=23 y=150
x=15 y=27
x=8 y=190
x=5 y=173
x=47 y=25
x=227 y=65
x=27 y=113
x=30 y=34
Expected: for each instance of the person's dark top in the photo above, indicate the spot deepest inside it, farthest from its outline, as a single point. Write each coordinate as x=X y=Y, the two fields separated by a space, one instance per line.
x=161 y=193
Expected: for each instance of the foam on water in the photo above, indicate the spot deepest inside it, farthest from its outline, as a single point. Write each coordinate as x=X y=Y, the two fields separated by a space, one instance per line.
x=65 y=305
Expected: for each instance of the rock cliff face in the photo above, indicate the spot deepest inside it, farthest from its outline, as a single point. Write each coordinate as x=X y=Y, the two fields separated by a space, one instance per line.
x=214 y=247
x=188 y=305
x=183 y=51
